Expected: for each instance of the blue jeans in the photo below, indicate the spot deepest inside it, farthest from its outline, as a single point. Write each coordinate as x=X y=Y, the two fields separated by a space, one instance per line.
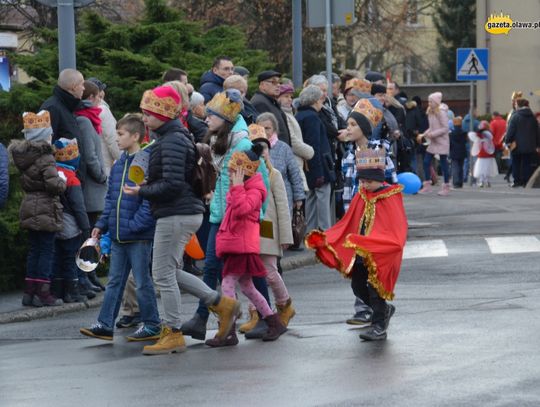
x=40 y=255
x=213 y=266
x=65 y=252
x=126 y=257
x=444 y=166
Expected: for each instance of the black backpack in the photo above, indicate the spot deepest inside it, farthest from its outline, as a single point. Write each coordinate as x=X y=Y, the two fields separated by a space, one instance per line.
x=204 y=174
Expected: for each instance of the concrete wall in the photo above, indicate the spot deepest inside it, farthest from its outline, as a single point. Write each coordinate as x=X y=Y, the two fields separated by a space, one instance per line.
x=514 y=58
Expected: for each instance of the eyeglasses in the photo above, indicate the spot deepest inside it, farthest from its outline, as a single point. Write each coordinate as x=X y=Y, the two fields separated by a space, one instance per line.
x=274 y=82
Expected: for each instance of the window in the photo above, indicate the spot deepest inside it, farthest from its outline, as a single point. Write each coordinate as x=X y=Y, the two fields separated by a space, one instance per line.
x=412 y=12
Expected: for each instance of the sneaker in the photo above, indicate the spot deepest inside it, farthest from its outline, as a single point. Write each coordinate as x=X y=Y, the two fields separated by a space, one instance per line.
x=374 y=333
x=145 y=333
x=169 y=342
x=98 y=331
x=360 y=318
x=127 y=321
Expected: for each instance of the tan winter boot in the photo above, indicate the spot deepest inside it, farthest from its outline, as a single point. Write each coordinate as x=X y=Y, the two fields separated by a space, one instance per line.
x=249 y=325
x=168 y=342
x=226 y=310
x=426 y=188
x=445 y=190
x=286 y=312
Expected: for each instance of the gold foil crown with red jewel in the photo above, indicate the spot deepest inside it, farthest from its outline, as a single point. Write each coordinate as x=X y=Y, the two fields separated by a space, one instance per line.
x=40 y=120
x=368 y=158
x=239 y=159
x=165 y=106
x=366 y=108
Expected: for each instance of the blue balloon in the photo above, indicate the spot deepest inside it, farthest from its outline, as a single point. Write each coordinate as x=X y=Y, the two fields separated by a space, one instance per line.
x=410 y=181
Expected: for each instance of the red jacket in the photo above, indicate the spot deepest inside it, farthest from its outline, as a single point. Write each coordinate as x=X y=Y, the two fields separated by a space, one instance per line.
x=498 y=129
x=239 y=230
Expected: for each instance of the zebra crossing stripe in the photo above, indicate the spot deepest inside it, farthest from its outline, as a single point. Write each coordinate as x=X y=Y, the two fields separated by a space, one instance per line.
x=513 y=244
x=425 y=248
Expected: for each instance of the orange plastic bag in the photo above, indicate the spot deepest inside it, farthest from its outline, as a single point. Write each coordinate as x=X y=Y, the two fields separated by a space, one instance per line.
x=193 y=249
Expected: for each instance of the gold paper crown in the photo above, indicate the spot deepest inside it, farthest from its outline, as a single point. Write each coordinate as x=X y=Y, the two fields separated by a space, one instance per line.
x=239 y=159
x=166 y=106
x=221 y=106
x=42 y=120
x=69 y=152
x=256 y=131
x=364 y=107
x=517 y=94
x=361 y=84
x=370 y=158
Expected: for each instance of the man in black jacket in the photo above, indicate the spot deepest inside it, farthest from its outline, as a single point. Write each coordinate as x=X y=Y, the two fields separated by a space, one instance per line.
x=66 y=97
x=265 y=100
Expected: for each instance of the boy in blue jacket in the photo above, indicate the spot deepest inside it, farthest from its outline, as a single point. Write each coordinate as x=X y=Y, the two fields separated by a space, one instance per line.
x=131 y=226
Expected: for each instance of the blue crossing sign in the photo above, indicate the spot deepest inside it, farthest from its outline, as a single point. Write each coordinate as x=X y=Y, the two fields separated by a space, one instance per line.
x=472 y=64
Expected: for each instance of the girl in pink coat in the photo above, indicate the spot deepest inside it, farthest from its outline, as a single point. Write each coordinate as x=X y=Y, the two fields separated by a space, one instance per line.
x=238 y=240
x=437 y=135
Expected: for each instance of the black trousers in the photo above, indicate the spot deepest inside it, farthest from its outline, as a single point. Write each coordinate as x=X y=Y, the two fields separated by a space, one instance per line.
x=367 y=293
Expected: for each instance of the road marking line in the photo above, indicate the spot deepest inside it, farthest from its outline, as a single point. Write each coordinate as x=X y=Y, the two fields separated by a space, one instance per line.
x=513 y=244
x=425 y=248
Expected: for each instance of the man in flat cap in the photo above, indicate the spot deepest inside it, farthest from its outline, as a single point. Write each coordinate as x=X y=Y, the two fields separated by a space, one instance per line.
x=265 y=100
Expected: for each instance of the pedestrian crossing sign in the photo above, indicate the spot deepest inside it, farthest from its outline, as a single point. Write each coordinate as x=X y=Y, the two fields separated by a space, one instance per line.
x=472 y=64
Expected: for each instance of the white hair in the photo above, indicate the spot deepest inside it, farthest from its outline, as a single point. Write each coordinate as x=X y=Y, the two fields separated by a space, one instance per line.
x=317 y=80
x=310 y=95
x=196 y=100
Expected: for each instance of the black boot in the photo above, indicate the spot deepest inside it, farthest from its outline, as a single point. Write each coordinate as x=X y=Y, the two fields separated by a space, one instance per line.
x=92 y=276
x=258 y=332
x=195 y=327
x=57 y=287
x=71 y=292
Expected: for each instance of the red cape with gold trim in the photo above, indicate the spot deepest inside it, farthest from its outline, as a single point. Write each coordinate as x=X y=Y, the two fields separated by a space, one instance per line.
x=381 y=246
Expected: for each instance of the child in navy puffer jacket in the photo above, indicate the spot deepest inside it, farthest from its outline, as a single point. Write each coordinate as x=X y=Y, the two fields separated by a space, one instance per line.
x=130 y=224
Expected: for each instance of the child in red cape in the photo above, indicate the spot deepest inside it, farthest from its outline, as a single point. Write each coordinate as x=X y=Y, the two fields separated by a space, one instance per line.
x=366 y=245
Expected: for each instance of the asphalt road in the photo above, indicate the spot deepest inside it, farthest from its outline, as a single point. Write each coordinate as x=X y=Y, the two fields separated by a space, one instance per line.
x=465 y=333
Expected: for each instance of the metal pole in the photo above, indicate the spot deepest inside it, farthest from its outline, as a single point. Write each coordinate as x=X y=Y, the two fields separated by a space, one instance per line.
x=329 y=45
x=471 y=128
x=66 y=35
x=297 y=42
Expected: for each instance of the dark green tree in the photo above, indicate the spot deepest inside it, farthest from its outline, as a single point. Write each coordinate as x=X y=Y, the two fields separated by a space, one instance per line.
x=455 y=21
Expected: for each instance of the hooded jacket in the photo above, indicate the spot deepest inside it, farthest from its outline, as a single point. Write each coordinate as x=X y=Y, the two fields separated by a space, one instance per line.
x=239 y=231
x=41 y=209
x=523 y=129
x=210 y=85
x=127 y=218
x=61 y=106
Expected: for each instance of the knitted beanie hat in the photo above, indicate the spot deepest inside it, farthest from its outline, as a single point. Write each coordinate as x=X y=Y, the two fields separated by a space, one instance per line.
x=162 y=102
x=66 y=152
x=37 y=127
x=377 y=88
x=436 y=97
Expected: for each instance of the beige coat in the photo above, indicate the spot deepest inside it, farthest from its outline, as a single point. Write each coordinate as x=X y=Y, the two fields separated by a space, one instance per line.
x=109 y=138
x=302 y=151
x=277 y=212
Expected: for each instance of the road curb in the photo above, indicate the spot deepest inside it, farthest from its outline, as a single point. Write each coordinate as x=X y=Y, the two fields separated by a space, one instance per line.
x=30 y=314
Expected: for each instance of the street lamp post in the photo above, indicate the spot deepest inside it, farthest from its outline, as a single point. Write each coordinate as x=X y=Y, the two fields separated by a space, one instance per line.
x=66 y=30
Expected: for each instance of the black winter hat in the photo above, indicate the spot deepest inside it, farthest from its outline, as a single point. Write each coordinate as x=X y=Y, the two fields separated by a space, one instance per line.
x=377 y=88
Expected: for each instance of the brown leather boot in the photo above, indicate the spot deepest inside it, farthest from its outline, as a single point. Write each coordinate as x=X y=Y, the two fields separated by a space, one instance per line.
x=230 y=340
x=275 y=328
